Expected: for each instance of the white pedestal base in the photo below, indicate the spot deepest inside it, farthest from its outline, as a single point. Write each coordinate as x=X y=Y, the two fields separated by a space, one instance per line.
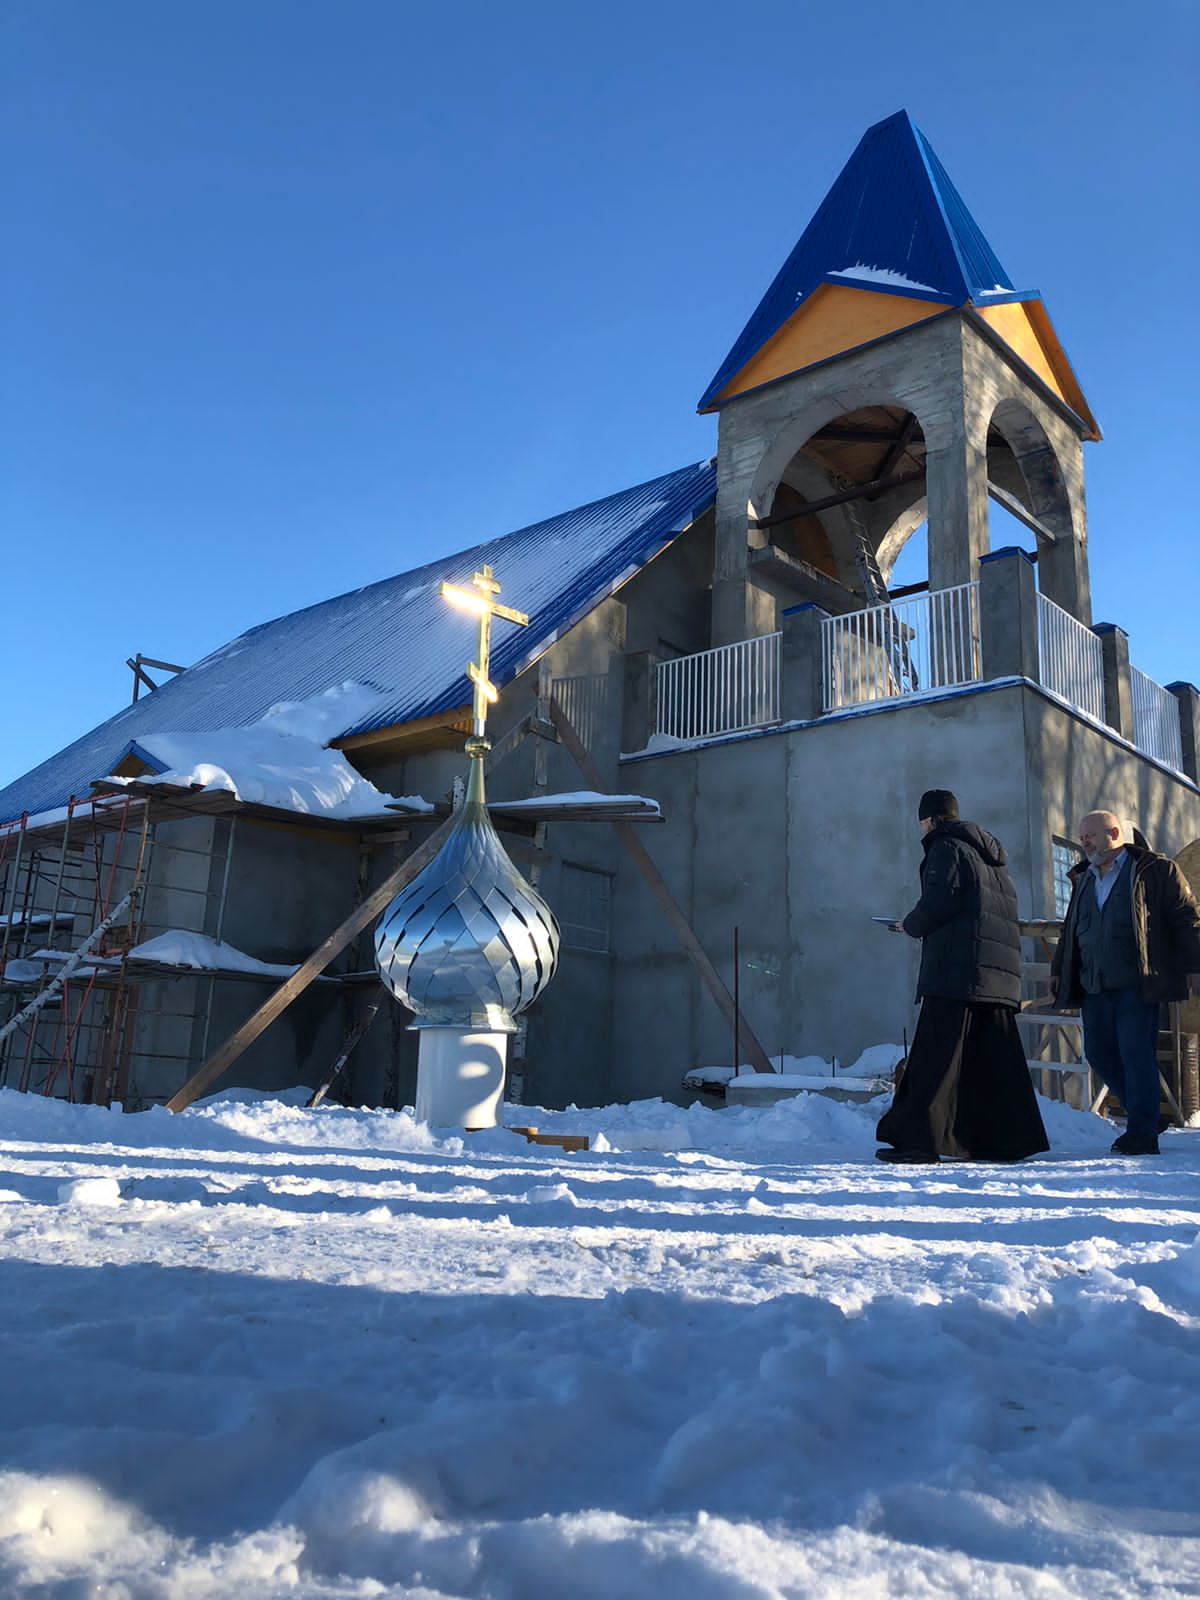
x=460 y=1077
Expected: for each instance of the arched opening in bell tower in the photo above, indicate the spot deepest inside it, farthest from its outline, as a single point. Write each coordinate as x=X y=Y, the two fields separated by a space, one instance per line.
x=824 y=506
x=1030 y=505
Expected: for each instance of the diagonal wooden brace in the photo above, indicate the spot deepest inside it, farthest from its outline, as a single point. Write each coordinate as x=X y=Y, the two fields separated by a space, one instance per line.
x=222 y=1059
x=654 y=880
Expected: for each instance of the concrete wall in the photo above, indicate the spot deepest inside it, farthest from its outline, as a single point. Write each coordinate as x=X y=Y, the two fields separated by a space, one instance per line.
x=800 y=836
x=1086 y=770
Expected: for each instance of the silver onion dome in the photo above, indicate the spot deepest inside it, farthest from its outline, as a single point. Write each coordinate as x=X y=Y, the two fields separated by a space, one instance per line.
x=468 y=943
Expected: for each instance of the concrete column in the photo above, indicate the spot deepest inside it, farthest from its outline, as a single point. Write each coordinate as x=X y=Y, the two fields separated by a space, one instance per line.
x=1118 y=688
x=736 y=461
x=956 y=482
x=639 y=707
x=1008 y=620
x=741 y=609
x=1189 y=726
x=801 y=674
x=1054 y=474
x=1063 y=569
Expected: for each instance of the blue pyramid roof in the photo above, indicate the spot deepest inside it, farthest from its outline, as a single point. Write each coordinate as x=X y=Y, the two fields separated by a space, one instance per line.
x=892 y=222
x=397 y=636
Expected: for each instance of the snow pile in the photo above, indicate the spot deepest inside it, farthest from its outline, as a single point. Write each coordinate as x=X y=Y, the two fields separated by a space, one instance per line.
x=876 y=1061
x=43 y=963
x=335 y=1355
x=873 y=1068
x=870 y=274
x=90 y=1192
x=179 y=949
x=282 y=760
x=175 y=948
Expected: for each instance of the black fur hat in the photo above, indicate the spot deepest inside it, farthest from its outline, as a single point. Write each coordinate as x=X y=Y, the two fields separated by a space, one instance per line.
x=937 y=803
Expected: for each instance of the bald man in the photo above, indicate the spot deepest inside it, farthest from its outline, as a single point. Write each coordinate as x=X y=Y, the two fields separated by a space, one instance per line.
x=1130 y=941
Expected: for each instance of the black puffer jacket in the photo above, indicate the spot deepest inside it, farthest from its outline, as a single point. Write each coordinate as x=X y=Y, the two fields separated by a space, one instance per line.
x=966 y=918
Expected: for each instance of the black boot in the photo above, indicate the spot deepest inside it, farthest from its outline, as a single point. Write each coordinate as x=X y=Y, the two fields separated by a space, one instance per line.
x=1132 y=1144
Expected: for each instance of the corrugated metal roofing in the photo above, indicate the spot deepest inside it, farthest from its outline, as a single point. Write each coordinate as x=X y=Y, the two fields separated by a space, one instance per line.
x=892 y=207
x=398 y=635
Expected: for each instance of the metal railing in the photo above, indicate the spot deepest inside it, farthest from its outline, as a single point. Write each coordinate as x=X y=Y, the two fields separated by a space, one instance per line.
x=930 y=641
x=1156 y=728
x=587 y=700
x=1070 y=658
x=724 y=690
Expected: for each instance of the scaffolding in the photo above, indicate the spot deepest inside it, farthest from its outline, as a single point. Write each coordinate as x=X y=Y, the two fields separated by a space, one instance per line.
x=84 y=1015
x=88 y=1013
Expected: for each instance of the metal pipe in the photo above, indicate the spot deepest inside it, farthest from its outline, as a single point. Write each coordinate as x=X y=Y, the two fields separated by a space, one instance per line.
x=737 y=1004
x=62 y=865
x=10 y=906
x=219 y=929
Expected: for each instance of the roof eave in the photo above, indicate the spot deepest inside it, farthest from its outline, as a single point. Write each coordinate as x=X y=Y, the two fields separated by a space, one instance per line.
x=359 y=736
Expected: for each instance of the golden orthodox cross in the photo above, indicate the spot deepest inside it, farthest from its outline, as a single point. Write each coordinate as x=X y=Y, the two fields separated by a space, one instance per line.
x=480 y=599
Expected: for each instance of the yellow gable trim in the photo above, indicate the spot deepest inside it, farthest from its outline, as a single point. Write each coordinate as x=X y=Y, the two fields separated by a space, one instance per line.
x=1026 y=330
x=1012 y=323
x=131 y=765
x=832 y=320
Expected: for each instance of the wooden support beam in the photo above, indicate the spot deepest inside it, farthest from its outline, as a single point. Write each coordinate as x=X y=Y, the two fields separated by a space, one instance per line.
x=223 y=1058
x=844 y=497
x=658 y=888
x=1169 y=1097
x=899 y=445
x=841 y=433
x=378 y=997
x=139 y=677
x=507 y=744
x=1014 y=507
x=136 y=665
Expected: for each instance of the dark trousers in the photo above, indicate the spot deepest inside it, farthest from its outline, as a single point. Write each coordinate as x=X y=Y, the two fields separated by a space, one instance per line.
x=1120 y=1040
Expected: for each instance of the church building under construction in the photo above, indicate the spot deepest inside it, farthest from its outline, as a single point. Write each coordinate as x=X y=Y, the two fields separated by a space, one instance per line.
x=719 y=718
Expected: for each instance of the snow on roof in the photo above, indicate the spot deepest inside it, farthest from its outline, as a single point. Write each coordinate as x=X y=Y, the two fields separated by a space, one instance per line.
x=892 y=210
x=578 y=799
x=872 y=274
x=280 y=760
x=396 y=637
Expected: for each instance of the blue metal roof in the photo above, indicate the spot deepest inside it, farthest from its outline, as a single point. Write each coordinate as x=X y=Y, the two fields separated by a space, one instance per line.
x=893 y=208
x=398 y=636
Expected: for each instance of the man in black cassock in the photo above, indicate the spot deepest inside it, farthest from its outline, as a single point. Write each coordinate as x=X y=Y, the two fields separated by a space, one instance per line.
x=966 y=1090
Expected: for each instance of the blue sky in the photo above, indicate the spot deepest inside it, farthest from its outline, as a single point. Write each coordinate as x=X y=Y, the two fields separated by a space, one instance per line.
x=299 y=295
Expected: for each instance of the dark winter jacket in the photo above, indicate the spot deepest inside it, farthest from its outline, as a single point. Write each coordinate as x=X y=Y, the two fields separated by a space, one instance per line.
x=966 y=918
x=1166 y=929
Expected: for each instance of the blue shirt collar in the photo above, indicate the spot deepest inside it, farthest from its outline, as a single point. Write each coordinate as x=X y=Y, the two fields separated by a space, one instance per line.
x=1122 y=857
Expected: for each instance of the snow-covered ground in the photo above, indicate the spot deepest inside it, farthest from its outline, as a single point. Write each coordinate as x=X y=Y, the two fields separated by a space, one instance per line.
x=256 y=1351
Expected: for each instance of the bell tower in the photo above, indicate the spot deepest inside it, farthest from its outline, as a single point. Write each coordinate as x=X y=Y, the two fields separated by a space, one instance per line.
x=891 y=375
